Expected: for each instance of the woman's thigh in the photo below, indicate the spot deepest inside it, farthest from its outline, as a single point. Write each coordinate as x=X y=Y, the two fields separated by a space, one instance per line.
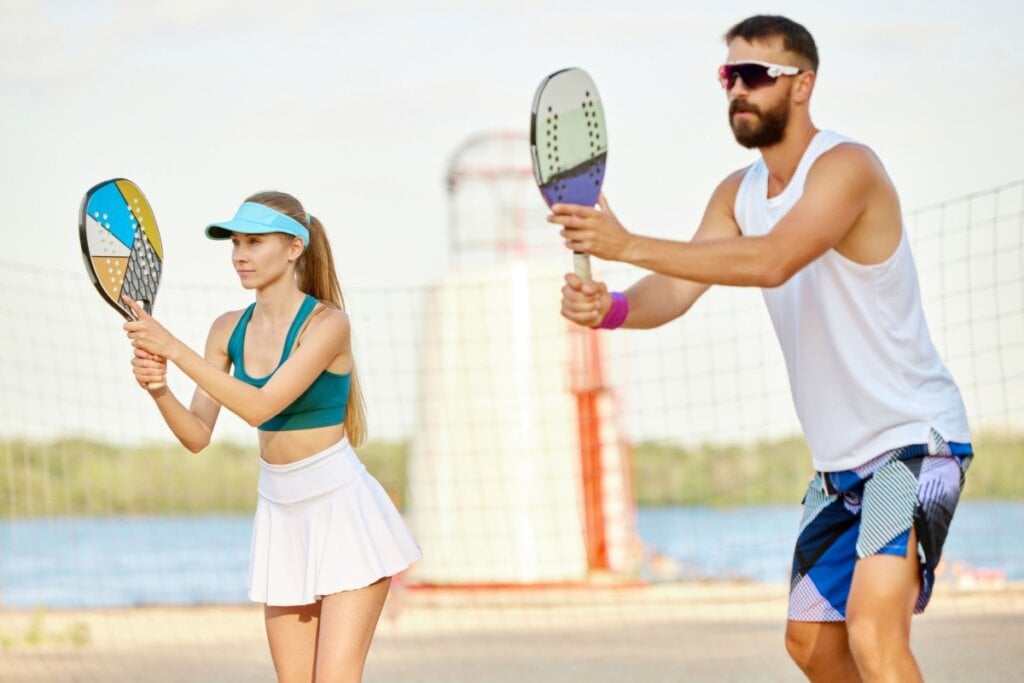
x=347 y=623
x=292 y=634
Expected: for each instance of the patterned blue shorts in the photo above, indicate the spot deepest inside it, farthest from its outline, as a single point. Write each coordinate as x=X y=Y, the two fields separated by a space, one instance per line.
x=870 y=511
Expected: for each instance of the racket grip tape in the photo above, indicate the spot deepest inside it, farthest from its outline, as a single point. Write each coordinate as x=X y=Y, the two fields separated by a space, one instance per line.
x=581 y=266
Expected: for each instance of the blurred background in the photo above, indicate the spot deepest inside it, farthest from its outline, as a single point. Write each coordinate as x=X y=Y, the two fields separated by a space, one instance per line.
x=591 y=505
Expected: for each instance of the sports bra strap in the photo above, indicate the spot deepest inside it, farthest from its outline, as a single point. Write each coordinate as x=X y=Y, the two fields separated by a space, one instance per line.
x=308 y=304
x=237 y=339
x=236 y=342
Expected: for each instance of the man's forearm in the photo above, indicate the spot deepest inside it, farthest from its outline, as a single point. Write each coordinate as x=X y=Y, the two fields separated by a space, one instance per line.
x=736 y=261
x=659 y=299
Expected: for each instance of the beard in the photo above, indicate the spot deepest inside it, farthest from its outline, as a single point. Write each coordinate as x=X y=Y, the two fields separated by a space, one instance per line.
x=766 y=131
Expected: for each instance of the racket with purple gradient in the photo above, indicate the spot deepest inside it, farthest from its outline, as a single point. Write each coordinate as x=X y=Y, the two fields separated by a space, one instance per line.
x=569 y=144
x=121 y=246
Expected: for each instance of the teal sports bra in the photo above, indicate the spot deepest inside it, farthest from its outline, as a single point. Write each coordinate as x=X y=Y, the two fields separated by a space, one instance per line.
x=321 y=405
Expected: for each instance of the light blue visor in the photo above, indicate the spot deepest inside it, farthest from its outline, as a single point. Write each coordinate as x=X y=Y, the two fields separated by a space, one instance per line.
x=256 y=219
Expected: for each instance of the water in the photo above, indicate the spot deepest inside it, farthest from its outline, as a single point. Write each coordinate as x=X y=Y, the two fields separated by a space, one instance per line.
x=82 y=562
x=67 y=562
x=757 y=542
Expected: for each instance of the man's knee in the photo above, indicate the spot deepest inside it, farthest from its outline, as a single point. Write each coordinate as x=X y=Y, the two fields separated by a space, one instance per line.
x=875 y=641
x=863 y=636
x=805 y=647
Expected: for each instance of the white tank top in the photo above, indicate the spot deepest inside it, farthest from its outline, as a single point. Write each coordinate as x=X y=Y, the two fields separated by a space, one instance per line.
x=864 y=373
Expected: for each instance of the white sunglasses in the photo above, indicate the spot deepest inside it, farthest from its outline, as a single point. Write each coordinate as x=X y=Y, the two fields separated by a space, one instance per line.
x=754 y=74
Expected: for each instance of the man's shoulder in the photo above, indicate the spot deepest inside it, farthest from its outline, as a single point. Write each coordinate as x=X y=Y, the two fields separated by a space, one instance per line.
x=730 y=185
x=849 y=150
x=848 y=159
x=842 y=149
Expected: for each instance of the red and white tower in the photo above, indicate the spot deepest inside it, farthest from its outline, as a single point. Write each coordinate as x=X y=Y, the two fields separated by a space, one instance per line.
x=518 y=473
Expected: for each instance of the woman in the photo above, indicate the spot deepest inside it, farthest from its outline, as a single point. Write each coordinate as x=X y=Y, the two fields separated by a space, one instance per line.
x=326 y=537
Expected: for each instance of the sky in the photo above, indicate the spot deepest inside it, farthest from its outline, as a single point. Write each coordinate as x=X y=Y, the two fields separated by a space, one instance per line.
x=357 y=107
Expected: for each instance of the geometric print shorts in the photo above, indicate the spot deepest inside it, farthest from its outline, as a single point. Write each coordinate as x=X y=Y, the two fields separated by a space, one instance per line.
x=868 y=511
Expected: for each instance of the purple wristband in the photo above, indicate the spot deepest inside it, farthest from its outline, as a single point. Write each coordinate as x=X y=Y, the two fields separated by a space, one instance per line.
x=617 y=312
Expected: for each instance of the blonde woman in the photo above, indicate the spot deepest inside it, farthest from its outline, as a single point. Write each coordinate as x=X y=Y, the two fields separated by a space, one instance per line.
x=326 y=537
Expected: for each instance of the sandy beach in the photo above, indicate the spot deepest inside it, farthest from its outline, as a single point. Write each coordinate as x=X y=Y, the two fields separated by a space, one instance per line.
x=668 y=632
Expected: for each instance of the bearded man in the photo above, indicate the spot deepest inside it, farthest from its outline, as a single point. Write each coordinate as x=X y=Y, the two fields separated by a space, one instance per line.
x=816 y=224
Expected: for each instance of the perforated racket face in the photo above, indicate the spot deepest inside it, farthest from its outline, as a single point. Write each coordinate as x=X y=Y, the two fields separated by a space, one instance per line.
x=121 y=244
x=568 y=141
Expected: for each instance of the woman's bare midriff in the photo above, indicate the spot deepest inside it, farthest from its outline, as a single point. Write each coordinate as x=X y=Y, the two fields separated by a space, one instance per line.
x=281 y=448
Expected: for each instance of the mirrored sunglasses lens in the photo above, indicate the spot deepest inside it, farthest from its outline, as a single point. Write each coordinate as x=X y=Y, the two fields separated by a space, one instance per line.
x=725 y=76
x=753 y=75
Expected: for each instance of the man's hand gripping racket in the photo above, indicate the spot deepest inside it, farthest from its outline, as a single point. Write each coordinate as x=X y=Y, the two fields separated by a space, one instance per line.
x=569 y=144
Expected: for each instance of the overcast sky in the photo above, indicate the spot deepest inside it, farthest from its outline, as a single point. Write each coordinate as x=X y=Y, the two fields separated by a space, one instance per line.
x=355 y=107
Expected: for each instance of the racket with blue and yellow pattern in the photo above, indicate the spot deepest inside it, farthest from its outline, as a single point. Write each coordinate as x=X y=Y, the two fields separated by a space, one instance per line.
x=121 y=245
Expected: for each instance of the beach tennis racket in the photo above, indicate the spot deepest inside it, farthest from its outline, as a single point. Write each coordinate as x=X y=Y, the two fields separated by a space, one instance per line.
x=121 y=246
x=568 y=144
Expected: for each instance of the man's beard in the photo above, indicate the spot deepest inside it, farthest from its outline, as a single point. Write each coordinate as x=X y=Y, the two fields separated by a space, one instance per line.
x=766 y=131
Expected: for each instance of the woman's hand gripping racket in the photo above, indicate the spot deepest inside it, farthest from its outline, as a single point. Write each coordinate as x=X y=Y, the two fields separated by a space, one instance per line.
x=121 y=246
x=568 y=144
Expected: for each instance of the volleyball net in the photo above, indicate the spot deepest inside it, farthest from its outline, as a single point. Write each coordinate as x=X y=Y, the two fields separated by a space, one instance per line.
x=617 y=477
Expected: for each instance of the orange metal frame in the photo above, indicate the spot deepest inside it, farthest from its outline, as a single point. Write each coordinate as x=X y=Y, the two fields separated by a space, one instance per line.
x=587 y=387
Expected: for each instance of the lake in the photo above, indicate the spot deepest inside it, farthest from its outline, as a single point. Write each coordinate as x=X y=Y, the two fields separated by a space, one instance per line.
x=88 y=562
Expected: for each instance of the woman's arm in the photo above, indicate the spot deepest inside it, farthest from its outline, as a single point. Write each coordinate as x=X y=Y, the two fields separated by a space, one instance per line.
x=193 y=426
x=325 y=339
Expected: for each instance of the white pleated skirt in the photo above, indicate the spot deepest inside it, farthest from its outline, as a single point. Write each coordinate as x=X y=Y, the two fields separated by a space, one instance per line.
x=323 y=525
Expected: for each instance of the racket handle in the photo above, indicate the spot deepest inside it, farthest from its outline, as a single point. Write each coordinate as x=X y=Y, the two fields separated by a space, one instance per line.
x=153 y=386
x=581 y=265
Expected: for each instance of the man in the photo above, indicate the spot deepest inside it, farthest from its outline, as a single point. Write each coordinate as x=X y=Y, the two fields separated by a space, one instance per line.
x=816 y=223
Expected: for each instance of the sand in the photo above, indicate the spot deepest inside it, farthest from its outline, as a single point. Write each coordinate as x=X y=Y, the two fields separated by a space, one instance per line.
x=668 y=632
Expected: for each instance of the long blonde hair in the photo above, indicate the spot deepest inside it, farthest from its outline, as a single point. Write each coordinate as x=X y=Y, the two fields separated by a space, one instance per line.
x=315 y=275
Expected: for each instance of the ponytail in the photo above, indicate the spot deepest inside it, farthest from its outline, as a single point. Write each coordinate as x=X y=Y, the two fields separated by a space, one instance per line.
x=315 y=275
